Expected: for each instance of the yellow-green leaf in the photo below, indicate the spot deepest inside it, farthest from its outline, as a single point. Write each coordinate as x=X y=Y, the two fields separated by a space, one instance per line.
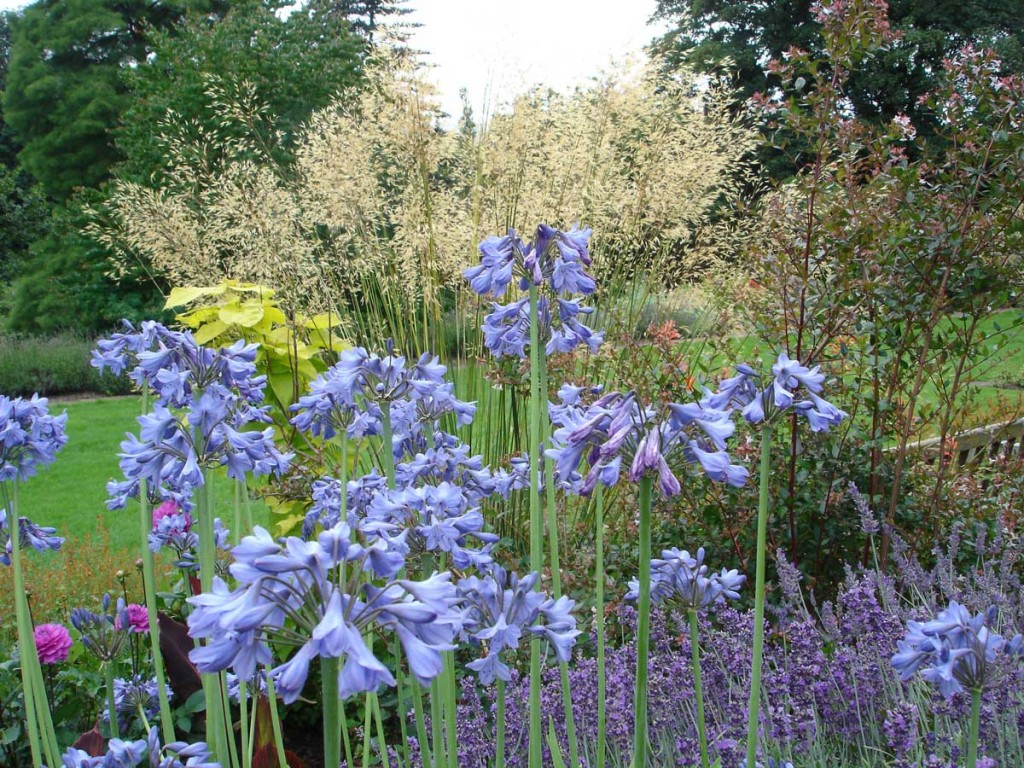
x=246 y=315
x=210 y=331
x=183 y=295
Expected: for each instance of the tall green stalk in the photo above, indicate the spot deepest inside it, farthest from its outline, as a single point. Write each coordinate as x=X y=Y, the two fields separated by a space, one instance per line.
x=26 y=640
x=216 y=721
x=149 y=591
x=499 y=727
x=108 y=676
x=536 y=522
x=754 y=706
x=275 y=723
x=640 y=741
x=556 y=571
x=331 y=715
x=972 y=744
x=602 y=705
x=698 y=689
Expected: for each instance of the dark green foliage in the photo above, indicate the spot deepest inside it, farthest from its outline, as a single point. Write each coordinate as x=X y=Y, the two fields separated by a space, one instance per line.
x=24 y=217
x=740 y=38
x=55 y=365
x=66 y=284
x=294 y=65
x=64 y=87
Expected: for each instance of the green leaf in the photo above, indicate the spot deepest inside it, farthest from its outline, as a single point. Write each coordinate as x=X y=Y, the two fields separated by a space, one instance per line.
x=210 y=331
x=181 y=296
x=246 y=315
x=556 y=752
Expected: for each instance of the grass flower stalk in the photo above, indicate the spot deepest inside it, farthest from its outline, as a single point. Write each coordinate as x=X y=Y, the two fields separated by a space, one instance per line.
x=698 y=688
x=640 y=738
x=754 y=705
x=536 y=519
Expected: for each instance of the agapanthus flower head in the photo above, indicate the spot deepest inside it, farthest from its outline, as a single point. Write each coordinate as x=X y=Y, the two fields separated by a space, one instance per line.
x=295 y=581
x=617 y=430
x=53 y=643
x=40 y=538
x=104 y=633
x=500 y=609
x=121 y=351
x=554 y=258
x=29 y=436
x=132 y=696
x=759 y=402
x=955 y=651
x=685 y=581
x=143 y=752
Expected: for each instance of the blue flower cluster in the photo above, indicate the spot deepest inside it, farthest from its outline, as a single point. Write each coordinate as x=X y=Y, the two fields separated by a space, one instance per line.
x=105 y=633
x=557 y=259
x=616 y=429
x=758 y=404
x=680 y=579
x=132 y=696
x=38 y=537
x=142 y=752
x=29 y=436
x=499 y=608
x=291 y=594
x=205 y=401
x=955 y=651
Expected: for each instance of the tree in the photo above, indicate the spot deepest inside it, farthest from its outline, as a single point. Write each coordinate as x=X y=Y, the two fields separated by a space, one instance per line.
x=743 y=37
x=291 y=65
x=65 y=90
x=364 y=16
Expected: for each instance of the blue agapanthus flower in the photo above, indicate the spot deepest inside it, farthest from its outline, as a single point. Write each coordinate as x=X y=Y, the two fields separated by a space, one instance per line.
x=29 y=436
x=500 y=609
x=616 y=431
x=132 y=696
x=41 y=538
x=759 y=402
x=289 y=595
x=143 y=752
x=555 y=259
x=685 y=581
x=955 y=651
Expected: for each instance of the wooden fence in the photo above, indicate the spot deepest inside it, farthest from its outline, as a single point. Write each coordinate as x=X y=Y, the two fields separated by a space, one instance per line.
x=974 y=444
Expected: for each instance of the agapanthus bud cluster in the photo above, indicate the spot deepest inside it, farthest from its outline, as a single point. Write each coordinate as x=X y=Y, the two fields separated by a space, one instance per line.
x=132 y=696
x=205 y=401
x=106 y=633
x=290 y=594
x=143 y=752
x=500 y=608
x=790 y=380
x=554 y=258
x=40 y=538
x=617 y=430
x=685 y=581
x=29 y=436
x=956 y=651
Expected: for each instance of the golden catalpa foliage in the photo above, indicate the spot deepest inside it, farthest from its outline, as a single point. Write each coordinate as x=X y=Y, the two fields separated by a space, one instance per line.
x=376 y=210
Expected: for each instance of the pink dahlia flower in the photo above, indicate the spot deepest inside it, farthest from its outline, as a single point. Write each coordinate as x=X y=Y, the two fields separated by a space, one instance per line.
x=53 y=642
x=167 y=509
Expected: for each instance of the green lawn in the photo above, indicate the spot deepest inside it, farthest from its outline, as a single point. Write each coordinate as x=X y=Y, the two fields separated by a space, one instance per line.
x=71 y=494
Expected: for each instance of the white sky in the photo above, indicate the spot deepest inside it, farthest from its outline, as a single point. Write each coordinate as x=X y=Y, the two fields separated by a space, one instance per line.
x=498 y=48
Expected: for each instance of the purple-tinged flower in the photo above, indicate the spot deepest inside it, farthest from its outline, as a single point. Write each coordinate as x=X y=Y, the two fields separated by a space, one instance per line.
x=954 y=651
x=500 y=608
x=29 y=436
x=40 y=538
x=138 y=619
x=105 y=633
x=296 y=582
x=53 y=643
x=143 y=752
x=868 y=522
x=132 y=696
x=682 y=580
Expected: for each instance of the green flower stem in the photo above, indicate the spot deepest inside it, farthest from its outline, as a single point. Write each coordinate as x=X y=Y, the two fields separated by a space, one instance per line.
x=556 y=572
x=344 y=737
x=421 y=725
x=367 y=728
x=758 y=653
x=331 y=718
x=402 y=711
x=216 y=723
x=499 y=727
x=243 y=716
x=698 y=689
x=640 y=742
x=536 y=522
x=389 y=452
x=275 y=723
x=26 y=640
x=448 y=682
x=252 y=725
x=149 y=591
x=382 y=744
x=972 y=744
x=602 y=705
x=229 y=725
x=108 y=675
x=436 y=717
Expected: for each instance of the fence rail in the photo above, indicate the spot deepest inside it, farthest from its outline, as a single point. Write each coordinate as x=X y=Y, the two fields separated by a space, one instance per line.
x=1004 y=439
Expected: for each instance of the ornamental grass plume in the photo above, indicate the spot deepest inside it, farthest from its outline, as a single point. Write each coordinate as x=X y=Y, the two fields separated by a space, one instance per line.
x=53 y=643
